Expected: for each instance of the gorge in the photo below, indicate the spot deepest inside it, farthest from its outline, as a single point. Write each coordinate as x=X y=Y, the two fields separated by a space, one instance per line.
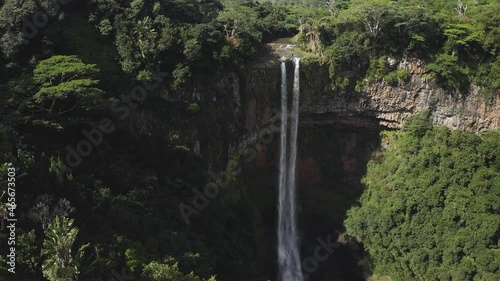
x=184 y=140
x=339 y=131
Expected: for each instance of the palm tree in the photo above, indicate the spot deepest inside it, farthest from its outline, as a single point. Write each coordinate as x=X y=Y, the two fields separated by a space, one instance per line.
x=59 y=264
x=313 y=30
x=145 y=34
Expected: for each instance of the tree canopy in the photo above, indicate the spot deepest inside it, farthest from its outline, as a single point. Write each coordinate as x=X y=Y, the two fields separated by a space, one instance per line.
x=430 y=209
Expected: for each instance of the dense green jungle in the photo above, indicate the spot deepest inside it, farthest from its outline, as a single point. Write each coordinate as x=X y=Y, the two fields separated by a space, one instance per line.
x=138 y=142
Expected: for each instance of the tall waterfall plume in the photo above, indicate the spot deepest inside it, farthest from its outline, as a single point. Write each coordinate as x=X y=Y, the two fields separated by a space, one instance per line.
x=288 y=244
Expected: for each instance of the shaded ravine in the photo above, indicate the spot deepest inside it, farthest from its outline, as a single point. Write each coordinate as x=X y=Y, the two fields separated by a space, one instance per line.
x=288 y=246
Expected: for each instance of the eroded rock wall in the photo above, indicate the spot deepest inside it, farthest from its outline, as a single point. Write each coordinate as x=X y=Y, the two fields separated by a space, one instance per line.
x=237 y=105
x=378 y=104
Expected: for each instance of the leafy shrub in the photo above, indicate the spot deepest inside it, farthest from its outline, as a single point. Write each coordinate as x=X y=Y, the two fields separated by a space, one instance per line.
x=348 y=59
x=193 y=108
x=430 y=208
x=156 y=271
x=378 y=69
x=446 y=71
x=398 y=76
x=488 y=77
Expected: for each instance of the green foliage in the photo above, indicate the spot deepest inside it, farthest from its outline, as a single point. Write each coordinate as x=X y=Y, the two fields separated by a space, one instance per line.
x=65 y=84
x=486 y=17
x=145 y=32
x=180 y=76
x=430 y=210
x=413 y=30
x=348 y=59
x=447 y=72
x=59 y=264
x=312 y=33
x=193 y=108
x=135 y=258
x=378 y=69
x=12 y=13
x=418 y=125
x=239 y=19
x=455 y=48
x=29 y=256
x=396 y=77
x=373 y=16
x=156 y=271
x=488 y=77
x=461 y=36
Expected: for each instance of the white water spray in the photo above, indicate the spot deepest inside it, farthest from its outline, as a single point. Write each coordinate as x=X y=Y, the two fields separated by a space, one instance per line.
x=288 y=244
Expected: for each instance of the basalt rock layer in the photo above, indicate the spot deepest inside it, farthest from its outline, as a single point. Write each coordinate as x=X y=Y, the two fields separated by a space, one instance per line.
x=378 y=104
x=237 y=106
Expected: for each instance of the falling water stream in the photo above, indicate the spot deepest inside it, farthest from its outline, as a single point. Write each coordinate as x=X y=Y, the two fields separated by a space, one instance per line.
x=288 y=245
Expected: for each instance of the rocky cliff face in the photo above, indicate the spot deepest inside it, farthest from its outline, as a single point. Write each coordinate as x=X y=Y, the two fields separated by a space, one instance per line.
x=237 y=106
x=391 y=105
x=380 y=104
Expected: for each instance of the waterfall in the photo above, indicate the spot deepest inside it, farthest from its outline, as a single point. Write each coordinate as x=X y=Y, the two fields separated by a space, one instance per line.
x=288 y=244
x=282 y=198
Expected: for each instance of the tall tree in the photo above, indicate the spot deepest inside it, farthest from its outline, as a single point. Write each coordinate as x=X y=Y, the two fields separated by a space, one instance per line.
x=65 y=84
x=373 y=15
x=238 y=19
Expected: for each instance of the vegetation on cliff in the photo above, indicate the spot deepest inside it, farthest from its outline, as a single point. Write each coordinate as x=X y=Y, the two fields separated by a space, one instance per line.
x=82 y=122
x=458 y=40
x=430 y=210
